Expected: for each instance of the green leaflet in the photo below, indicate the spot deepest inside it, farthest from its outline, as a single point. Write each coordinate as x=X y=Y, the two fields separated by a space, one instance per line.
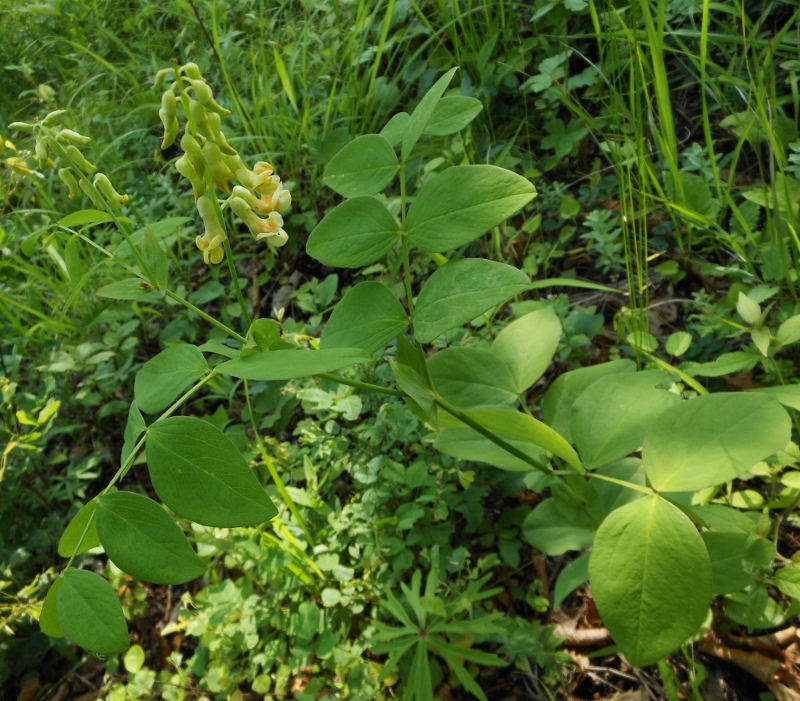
x=364 y=167
x=287 y=364
x=467 y=444
x=554 y=528
x=132 y=289
x=200 y=475
x=528 y=344
x=74 y=531
x=367 y=317
x=48 y=618
x=358 y=232
x=711 y=439
x=468 y=377
x=409 y=381
x=732 y=558
x=452 y=114
x=651 y=578
x=611 y=417
x=571 y=577
x=90 y=614
x=561 y=395
x=395 y=128
x=84 y=217
x=788 y=395
x=462 y=290
x=154 y=260
x=788 y=581
x=423 y=113
x=462 y=203
x=141 y=539
x=164 y=378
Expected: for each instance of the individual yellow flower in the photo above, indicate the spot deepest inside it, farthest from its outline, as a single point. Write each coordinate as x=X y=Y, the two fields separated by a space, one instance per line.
x=210 y=243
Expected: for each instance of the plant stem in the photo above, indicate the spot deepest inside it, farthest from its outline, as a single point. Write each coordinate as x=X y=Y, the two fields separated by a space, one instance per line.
x=359 y=385
x=688 y=379
x=276 y=478
x=210 y=319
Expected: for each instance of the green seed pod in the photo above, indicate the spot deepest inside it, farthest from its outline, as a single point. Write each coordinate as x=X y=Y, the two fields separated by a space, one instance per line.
x=102 y=183
x=169 y=104
x=184 y=166
x=79 y=159
x=68 y=178
x=171 y=129
x=192 y=71
x=21 y=126
x=67 y=136
x=192 y=149
x=161 y=76
x=91 y=195
x=54 y=118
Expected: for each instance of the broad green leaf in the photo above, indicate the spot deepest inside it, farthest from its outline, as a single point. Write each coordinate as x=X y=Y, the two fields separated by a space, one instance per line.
x=164 y=378
x=76 y=268
x=555 y=528
x=199 y=474
x=48 y=618
x=725 y=364
x=452 y=114
x=154 y=260
x=468 y=377
x=611 y=417
x=727 y=520
x=358 y=232
x=410 y=382
x=678 y=343
x=462 y=203
x=613 y=496
x=364 y=167
x=651 y=578
x=367 y=317
x=561 y=395
x=787 y=579
x=522 y=427
x=84 y=217
x=395 y=128
x=788 y=395
x=732 y=558
x=423 y=113
x=90 y=613
x=462 y=290
x=754 y=608
x=75 y=530
x=528 y=344
x=468 y=444
x=265 y=332
x=789 y=331
x=141 y=539
x=134 y=659
x=131 y=289
x=288 y=364
x=571 y=577
x=712 y=439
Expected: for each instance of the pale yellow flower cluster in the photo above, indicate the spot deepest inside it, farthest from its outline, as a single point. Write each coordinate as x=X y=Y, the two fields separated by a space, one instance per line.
x=209 y=158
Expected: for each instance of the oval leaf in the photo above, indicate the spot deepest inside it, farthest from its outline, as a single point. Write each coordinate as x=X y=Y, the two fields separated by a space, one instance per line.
x=462 y=290
x=452 y=114
x=199 y=474
x=556 y=528
x=462 y=203
x=131 y=289
x=142 y=540
x=468 y=377
x=364 y=167
x=395 y=128
x=48 y=618
x=528 y=344
x=367 y=317
x=288 y=364
x=712 y=439
x=164 y=378
x=733 y=556
x=422 y=114
x=90 y=613
x=467 y=444
x=651 y=578
x=84 y=217
x=356 y=233
x=610 y=419
x=71 y=543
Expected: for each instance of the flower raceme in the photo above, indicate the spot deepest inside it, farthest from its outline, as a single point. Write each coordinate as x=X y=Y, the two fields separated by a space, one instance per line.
x=209 y=163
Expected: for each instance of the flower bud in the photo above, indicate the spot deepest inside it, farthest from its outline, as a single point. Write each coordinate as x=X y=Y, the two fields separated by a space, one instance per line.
x=192 y=149
x=169 y=104
x=54 y=118
x=220 y=173
x=192 y=71
x=243 y=194
x=161 y=76
x=68 y=178
x=41 y=150
x=184 y=166
x=102 y=183
x=171 y=129
x=201 y=120
x=210 y=243
x=21 y=126
x=79 y=159
x=67 y=136
x=203 y=93
x=92 y=196
x=269 y=228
